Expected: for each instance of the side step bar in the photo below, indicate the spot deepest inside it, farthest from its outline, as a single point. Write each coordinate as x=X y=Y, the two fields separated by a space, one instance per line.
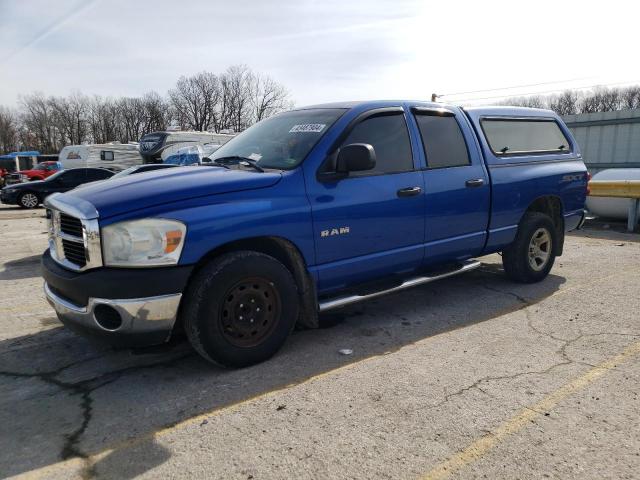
x=344 y=300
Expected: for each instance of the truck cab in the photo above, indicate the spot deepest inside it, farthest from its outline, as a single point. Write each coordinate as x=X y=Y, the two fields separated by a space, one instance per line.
x=307 y=211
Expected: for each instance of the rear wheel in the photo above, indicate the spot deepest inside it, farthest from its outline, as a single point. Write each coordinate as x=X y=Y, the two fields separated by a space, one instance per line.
x=531 y=255
x=28 y=200
x=240 y=308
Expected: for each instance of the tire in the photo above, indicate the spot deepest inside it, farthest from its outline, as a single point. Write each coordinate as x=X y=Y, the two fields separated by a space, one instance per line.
x=530 y=257
x=240 y=308
x=28 y=200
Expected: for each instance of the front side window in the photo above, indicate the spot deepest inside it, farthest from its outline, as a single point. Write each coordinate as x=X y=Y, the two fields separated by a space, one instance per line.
x=282 y=141
x=442 y=140
x=524 y=136
x=388 y=136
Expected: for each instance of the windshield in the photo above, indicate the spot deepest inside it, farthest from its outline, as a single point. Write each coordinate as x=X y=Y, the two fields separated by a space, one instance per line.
x=282 y=141
x=54 y=176
x=125 y=172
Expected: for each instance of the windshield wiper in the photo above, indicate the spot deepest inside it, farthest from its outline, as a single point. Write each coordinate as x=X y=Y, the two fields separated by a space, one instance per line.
x=238 y=160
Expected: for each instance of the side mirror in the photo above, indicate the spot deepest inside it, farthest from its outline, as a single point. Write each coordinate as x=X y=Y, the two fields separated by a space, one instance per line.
x=355 y=157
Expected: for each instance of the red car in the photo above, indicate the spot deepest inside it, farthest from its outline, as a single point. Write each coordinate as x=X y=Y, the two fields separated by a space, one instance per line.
x=38 y=172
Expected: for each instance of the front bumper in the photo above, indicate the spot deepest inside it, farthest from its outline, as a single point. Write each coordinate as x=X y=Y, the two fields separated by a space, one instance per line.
x=124 y=322
x=9 y=197
x=120 y=306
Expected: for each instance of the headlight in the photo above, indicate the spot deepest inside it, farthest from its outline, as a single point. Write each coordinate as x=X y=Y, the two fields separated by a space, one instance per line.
x=143 y=243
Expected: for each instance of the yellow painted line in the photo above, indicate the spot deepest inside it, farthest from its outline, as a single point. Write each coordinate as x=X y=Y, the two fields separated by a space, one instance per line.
x=44 y=472
x=483 y=445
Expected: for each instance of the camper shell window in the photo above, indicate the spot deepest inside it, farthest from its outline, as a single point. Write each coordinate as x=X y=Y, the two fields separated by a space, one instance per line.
x=106 y=155
x=524 y=136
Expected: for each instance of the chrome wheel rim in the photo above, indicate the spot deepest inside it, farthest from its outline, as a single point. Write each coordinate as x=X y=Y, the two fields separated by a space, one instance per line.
x=29 y=200
x=539 y=249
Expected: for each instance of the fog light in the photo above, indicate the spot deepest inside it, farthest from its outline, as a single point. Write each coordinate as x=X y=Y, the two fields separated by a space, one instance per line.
x=107 y=317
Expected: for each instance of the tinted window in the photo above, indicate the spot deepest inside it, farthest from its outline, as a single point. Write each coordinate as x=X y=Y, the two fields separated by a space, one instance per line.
x=73 y=177
x=443 y=143
x=389 y=137
x=93 y=175
x=507 y=137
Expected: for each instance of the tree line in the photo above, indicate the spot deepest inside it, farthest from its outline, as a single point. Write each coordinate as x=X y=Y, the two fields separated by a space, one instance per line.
x=572 y=102
x=232 y=100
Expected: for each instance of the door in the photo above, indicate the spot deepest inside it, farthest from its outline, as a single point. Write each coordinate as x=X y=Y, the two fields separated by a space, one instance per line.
x=68 y=180
x=457 y=190
x=371 y=223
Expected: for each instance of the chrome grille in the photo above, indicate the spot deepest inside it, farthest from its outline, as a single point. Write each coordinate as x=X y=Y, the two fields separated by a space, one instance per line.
x=74 y=252
x=70 y=225
x=74 y=239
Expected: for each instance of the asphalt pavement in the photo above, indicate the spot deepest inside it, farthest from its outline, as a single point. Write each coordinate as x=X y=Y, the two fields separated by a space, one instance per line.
x=469 y=377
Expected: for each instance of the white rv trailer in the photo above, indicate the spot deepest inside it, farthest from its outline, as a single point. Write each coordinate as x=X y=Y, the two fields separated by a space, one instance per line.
x=153 y=145
x=113 y=156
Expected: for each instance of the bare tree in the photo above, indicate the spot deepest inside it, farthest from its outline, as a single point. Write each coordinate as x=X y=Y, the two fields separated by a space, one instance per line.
x=37 y=119
x=565 y=103
x=195 y=100
x=268 y=97
x=8 y=130
x=234 y=100
x=69 y=117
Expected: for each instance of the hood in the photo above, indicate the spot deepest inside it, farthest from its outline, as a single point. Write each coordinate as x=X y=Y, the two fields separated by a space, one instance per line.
x=25 y=185
x=149 y=189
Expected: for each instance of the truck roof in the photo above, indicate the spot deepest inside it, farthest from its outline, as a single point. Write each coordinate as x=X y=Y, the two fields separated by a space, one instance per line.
x=480 y=111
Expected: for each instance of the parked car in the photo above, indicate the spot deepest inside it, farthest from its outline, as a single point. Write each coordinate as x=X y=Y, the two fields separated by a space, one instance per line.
x=32 y=194
x=308 y=211
x=38 y=172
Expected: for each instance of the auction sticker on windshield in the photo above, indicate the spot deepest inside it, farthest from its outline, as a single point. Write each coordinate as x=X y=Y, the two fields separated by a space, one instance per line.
x=308 y=128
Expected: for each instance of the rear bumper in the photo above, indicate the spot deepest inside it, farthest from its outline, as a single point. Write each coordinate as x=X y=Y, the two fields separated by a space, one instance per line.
x=130 y=322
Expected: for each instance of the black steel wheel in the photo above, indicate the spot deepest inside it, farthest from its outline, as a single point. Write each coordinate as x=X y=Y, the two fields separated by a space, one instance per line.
x=250 y=311
x=240 y=308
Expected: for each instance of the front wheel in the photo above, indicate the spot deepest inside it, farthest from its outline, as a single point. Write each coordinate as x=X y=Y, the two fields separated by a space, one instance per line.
x=28 y=200
x=530 y=257
x=240 y=308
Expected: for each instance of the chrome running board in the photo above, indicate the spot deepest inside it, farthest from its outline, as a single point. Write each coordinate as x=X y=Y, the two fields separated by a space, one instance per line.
x=344 y=300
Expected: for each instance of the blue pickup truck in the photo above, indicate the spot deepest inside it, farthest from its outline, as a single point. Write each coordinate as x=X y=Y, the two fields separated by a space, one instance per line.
x=308 y=211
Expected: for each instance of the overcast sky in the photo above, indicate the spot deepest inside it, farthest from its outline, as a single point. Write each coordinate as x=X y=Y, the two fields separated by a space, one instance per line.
x=320 y=50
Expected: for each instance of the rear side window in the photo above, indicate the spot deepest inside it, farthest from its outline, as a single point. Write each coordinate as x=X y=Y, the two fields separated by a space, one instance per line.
x=389 y=137
x=524 y=136
x=442 y=141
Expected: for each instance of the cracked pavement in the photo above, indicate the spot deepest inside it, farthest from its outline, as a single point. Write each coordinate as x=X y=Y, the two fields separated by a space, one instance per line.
x=434 y=370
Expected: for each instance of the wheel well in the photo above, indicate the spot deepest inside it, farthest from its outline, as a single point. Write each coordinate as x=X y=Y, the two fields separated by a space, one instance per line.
x=289 y=255
x=552 y=206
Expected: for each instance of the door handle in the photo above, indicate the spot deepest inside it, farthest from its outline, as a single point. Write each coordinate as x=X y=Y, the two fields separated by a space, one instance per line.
x=409 y=192
x=474 y=182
